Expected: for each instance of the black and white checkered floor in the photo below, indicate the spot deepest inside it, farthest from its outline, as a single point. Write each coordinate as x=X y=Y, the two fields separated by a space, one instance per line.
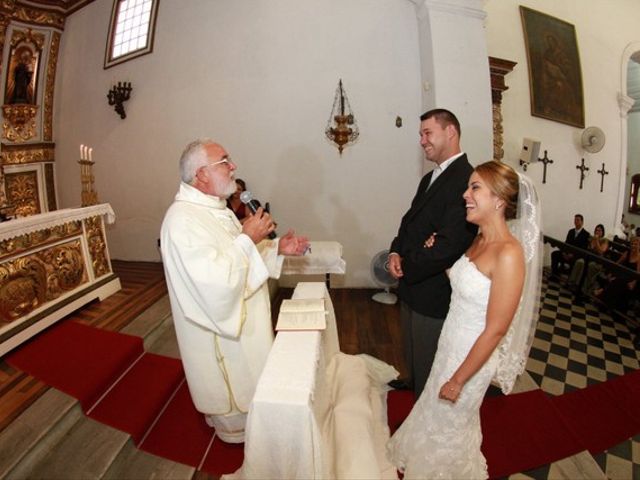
x=577 y=345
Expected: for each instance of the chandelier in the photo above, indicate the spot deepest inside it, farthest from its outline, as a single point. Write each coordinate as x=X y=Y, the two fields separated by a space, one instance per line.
x=342 y=128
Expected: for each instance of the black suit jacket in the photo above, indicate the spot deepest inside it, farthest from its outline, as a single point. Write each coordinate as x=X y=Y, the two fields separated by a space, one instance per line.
x=581 y=241
x=425 y=286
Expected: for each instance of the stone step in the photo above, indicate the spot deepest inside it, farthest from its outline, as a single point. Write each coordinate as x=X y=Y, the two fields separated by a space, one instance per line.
x=37 y=429
x=53 y=439
x=133 y=463
x=85 y=452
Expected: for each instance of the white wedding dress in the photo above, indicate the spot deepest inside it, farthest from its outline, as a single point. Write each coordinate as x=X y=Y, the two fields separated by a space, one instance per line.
x=440 y=439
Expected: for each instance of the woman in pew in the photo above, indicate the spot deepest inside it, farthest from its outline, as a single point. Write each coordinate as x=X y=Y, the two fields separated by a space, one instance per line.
x=619 y=291
x=487 y=333
x=598 y=245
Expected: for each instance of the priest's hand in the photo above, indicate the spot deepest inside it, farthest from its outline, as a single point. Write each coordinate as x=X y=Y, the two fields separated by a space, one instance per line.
x=292 y=245
x=258 y=226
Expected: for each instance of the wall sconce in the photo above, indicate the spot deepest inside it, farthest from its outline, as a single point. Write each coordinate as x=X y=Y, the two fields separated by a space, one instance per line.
x=341 y=128
x=118 y=95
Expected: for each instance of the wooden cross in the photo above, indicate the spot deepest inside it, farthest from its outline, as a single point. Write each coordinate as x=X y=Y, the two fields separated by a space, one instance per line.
x=583 y=168
x=602 y=173
x=545 y=160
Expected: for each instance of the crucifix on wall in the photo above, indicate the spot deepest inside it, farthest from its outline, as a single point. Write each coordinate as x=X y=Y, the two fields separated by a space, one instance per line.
x=583 y=168
x=602 y=173
x=546 y=160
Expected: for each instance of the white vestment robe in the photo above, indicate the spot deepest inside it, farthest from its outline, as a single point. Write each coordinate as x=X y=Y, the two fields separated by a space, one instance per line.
x=216 y=278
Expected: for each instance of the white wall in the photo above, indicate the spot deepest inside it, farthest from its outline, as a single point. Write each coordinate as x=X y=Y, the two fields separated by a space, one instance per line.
x=259 y=76
x=603 y=31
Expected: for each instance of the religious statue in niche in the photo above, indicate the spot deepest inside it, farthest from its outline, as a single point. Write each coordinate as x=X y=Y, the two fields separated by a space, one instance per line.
x=20 y=93
x=21 y=76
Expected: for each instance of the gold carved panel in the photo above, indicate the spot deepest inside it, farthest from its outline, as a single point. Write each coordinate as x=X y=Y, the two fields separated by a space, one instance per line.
x=17 y=245
x=36 y=279
x=20 y=122
x=97 y=246
x=49 y=86
x=39 y=16
x=49 y=181
x=31 y=153
x=21 y=189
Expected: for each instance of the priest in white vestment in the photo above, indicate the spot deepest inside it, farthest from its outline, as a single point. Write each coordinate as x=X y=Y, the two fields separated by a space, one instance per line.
x=216 y=272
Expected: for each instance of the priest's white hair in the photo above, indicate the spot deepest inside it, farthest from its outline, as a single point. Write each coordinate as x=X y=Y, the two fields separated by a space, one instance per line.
x=193 y=157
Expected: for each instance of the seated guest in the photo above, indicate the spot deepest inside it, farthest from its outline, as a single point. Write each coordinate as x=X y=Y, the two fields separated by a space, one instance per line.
x=598 y=245
x=217 y=272
x=617 y=293
x=235 y=204
x=578 y=237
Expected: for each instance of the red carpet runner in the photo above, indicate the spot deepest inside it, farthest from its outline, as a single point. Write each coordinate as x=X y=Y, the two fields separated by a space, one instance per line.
x=145 y=395
x=120 y=385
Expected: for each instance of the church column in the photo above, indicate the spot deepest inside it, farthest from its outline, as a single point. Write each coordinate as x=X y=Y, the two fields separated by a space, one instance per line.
x=455 y=69
x=499 y=68
x=625 y=102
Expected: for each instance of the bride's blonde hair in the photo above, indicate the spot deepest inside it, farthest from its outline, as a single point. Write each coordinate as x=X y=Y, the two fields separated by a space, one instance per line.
x=502 y=180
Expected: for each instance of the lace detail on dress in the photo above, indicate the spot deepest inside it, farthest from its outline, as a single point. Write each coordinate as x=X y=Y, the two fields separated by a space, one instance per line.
x=440 y=439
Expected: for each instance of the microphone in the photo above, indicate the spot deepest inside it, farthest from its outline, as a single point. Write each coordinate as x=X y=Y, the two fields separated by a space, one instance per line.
x=246 y=197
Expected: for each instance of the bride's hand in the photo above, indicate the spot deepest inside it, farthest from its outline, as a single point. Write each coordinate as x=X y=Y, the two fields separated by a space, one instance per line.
x=428 y=243
x=450 y=391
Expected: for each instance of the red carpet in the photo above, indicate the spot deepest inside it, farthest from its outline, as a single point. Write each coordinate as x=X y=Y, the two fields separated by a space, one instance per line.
x=146 y=396
x=610 y=407
x=523 y=431
x=399 y=404
x=119 y=385
x=134 y=402
x=77 y=359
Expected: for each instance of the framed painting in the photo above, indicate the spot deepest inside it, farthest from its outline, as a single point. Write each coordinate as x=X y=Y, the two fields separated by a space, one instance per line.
x=555 y=77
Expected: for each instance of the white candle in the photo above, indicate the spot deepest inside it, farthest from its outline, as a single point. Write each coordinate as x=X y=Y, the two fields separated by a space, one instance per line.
x=86 y=150
x=90 y=150
x=81 y=152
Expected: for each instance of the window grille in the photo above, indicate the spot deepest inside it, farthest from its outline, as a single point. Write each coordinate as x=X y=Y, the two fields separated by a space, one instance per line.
x=131 y=30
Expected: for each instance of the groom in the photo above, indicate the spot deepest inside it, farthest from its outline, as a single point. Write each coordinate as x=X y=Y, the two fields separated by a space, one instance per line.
x=438 y=208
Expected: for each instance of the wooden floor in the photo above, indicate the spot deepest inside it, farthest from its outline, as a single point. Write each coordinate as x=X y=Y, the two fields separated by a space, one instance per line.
x=364 y=327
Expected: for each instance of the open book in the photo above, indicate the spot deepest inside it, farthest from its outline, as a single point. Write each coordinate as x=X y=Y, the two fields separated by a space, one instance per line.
x=302 y=314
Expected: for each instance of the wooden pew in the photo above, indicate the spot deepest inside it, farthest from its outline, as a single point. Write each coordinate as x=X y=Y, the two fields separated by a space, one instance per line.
x=609 y=266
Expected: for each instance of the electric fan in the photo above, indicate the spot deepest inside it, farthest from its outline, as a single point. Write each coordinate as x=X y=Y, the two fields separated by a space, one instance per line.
x=381 y=275
x=592 y=139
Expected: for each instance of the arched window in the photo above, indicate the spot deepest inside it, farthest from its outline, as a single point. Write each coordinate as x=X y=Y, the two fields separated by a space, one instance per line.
x=131 y=30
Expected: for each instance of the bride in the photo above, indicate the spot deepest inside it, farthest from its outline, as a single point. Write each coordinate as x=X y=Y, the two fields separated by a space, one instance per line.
x=487 y=333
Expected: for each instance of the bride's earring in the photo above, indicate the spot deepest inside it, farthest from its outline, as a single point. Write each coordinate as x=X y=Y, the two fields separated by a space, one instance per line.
x=498 y=205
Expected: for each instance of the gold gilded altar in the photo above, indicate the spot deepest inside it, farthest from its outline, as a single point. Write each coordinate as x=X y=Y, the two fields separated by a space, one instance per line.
x=50 y=265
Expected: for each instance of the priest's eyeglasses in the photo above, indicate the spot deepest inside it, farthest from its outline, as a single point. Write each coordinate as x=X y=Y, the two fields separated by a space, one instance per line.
x=226 y=160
